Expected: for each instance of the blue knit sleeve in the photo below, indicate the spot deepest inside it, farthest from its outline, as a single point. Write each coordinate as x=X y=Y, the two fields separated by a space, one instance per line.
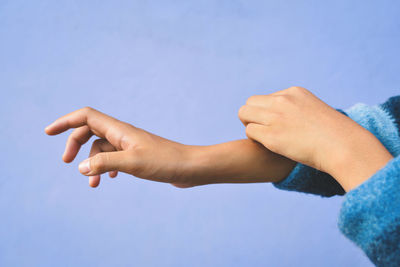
x=382 y=120
x=370 y=215
x=306 y=179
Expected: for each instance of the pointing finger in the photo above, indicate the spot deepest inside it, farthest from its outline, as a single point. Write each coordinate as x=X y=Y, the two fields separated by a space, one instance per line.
x=99 y=123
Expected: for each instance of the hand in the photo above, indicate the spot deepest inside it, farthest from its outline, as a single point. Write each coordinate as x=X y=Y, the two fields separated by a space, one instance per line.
x=123 y=147
x=298 y=125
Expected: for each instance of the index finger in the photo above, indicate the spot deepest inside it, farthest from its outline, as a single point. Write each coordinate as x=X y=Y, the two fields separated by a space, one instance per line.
x=99 y=123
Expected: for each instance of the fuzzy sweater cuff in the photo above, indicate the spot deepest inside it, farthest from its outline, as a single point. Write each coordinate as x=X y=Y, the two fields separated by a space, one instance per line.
x=370 y=215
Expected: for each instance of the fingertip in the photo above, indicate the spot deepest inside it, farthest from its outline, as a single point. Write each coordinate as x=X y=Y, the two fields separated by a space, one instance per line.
x=84 y=167
x=113 y=174
x=66 y=159
x=181 y=185
x=47 y=130
x=50 y=131
x=68 y=156
x=94 y=181
x=56 y=127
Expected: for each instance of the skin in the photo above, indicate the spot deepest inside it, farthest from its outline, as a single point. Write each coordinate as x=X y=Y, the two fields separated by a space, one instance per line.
x=122 y=147
x=283 y=128
x=296 y=124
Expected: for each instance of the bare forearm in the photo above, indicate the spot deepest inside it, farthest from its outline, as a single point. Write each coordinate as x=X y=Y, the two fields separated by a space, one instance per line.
x=123 y=147
x=239 y=161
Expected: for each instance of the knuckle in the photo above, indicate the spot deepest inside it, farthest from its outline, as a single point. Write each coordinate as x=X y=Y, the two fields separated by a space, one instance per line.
x=87 y=109
x=251 y=99
x=282 y=99
x=137 y=152
x=297 y=90
x=242 y=111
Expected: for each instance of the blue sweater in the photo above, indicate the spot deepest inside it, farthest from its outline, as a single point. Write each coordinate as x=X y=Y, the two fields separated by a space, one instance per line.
x=370 y=213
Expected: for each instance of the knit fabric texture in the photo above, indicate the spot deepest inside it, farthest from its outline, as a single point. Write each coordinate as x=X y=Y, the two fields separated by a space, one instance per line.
x=370 y=215
x=382 y=120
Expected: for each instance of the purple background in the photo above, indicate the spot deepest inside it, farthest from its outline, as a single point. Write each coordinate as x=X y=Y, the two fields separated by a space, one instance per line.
x=180 y=69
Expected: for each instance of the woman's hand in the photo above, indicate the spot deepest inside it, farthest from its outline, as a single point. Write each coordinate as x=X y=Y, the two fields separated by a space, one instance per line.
x=123 y=147
x=298 y=125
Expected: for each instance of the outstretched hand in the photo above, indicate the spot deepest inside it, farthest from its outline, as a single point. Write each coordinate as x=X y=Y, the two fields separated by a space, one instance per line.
x=121 y=147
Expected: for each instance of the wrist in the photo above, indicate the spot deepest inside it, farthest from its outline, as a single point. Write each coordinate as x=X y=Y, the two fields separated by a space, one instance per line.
x=195 y=167
x=356 y=162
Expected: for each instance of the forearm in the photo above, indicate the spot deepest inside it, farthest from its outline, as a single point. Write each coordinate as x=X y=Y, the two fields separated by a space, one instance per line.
x=239 y=161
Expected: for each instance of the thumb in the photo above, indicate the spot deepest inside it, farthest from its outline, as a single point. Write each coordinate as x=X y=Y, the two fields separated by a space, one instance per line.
x=103 y=162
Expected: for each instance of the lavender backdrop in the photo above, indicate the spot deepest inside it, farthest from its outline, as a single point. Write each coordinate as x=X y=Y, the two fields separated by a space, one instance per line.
x=180 y=69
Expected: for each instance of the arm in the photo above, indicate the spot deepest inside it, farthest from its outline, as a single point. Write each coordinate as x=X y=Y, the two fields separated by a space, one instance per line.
x=262 y=165
x=370 y=213
x=123 y=147
x=353 y=156
x=240 y=161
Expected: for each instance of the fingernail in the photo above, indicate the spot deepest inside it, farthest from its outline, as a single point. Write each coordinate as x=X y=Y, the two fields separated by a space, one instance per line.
x=84 y=166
